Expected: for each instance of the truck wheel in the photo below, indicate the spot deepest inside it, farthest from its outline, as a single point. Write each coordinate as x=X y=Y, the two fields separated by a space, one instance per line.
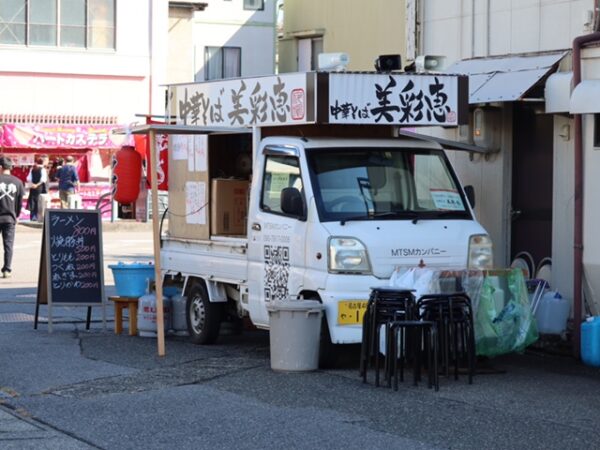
x=328 y=352
x=203 y=317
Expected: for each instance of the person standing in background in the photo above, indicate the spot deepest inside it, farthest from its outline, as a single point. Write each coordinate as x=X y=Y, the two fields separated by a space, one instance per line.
x=37 y=179
x=68 y=181
x=11 y=197
x=56 y=166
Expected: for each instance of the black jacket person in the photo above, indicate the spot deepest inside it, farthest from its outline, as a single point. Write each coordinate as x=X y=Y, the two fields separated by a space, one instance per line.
x=11 y=196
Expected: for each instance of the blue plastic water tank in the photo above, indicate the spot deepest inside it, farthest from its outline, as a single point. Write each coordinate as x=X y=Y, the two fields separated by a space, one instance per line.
x=590 y=341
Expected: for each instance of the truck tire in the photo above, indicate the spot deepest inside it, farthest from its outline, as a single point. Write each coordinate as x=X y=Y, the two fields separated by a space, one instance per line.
x=203 y=317
x=328 y=351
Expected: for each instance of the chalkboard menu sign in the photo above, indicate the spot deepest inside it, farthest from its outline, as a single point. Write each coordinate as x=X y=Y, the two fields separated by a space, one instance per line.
x=71 y=267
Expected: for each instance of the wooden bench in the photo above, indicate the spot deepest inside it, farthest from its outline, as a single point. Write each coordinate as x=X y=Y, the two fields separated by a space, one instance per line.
x=131 y=303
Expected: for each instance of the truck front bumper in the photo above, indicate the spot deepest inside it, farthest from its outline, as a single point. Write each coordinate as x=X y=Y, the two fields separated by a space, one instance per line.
x=347 y=288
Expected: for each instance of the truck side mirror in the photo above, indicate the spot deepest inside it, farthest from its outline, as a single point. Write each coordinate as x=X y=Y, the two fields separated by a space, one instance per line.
x=470 y=193
x=291 y=202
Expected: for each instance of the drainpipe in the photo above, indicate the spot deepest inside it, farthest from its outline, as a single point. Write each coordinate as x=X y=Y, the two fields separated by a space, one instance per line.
x=578 y=43
x=472 y=28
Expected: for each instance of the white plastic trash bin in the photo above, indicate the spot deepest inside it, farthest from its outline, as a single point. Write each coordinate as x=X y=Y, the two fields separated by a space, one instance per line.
x=295 y=329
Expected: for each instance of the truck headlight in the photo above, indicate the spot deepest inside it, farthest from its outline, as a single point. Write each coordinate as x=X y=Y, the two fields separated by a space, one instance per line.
x=348 y=255
x=481 y=255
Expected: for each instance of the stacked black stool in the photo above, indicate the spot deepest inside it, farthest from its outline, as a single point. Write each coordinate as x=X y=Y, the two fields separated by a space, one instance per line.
x=413 y=338
x=407 y=337
x=385 y=305
x=453 y=316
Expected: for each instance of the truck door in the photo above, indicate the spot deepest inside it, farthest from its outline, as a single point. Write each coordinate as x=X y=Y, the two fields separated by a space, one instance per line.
x=276 y=235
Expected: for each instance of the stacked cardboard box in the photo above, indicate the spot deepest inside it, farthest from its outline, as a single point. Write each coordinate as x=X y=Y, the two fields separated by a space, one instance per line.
x=229 y=206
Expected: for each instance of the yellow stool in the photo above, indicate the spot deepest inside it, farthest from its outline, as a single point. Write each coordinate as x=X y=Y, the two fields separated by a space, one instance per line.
x=132 y=305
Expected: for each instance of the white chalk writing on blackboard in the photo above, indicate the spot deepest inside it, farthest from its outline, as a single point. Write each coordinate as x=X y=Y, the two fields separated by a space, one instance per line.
x=73 y=253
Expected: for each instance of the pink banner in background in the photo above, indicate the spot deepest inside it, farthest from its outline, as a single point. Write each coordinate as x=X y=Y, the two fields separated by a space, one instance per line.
x=61 y=136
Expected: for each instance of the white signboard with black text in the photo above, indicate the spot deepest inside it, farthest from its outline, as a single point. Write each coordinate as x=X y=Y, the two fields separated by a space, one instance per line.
x=242 y=102
x=397 y=99
x=393 y=99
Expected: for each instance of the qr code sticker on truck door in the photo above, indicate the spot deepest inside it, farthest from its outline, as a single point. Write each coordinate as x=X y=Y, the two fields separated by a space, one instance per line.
x=277 y=271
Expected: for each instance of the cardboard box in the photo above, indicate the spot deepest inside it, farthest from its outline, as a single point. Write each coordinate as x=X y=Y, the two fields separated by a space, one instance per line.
x=229 y=206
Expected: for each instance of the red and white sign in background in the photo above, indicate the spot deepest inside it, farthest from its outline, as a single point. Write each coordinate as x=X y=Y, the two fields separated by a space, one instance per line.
x=162 y=154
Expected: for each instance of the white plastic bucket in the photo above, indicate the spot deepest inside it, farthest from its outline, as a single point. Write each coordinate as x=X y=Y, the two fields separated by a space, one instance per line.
x=295 y=329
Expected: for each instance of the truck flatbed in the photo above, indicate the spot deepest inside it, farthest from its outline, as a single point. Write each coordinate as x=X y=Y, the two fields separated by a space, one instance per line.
x=220 y=258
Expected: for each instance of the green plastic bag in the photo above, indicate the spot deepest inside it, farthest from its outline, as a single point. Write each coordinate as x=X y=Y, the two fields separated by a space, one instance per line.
x=510 y=328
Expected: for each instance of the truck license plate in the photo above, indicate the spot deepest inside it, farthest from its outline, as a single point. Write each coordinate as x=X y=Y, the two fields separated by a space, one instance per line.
x=351 y=312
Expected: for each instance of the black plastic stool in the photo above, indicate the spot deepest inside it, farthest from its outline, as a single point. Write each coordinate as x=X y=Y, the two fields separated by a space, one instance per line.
x=425 y=339
x=385 y=304
x=456 y=335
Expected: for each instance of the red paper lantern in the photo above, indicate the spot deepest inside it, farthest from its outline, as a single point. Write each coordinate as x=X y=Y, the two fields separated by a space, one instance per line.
x=126 y=174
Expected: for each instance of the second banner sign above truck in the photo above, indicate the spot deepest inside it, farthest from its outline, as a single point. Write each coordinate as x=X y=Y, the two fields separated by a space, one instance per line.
x=331 y=201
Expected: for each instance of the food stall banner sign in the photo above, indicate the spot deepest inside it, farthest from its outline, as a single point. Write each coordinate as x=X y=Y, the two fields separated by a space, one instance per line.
x=398 y=99
x=61 y=136
x=243 y=102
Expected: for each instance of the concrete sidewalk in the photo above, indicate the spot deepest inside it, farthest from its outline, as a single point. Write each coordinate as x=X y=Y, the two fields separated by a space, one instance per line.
x=18 y=431
x=109 y=391
x=93 y=389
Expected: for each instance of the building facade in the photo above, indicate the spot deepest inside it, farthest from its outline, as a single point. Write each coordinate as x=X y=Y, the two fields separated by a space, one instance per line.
x=72 y=71
x=363 y=30
x=519 y=59
x=221 y=39
x=77 y=59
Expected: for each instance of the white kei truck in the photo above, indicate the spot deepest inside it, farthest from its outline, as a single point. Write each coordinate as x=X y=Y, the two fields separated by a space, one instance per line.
x=301 y=186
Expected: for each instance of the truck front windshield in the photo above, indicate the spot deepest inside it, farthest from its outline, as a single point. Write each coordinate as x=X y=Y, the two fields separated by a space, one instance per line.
x=384 y=184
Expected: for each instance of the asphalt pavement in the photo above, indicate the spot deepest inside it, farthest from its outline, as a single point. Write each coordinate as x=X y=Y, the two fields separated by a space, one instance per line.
x=74 y=388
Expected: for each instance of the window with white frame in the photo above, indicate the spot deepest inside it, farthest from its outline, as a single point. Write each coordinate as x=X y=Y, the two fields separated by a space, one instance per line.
x=58 y=23
x=222 y=62
x=254 y=5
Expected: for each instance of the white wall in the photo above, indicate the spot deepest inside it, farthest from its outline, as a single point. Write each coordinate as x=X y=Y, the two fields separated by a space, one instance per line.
x=500 y=27
x=226 y=23
x=159 y=56
x=563 y=181
x=257 y=46
x=591 y=186
x=74 y=95
x=232 y=11
x=487 y=174
x=461 y=29
x=46 y=80
x=591 y=218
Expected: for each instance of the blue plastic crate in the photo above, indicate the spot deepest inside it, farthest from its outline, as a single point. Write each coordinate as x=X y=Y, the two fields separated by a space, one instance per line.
x=131 y=280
